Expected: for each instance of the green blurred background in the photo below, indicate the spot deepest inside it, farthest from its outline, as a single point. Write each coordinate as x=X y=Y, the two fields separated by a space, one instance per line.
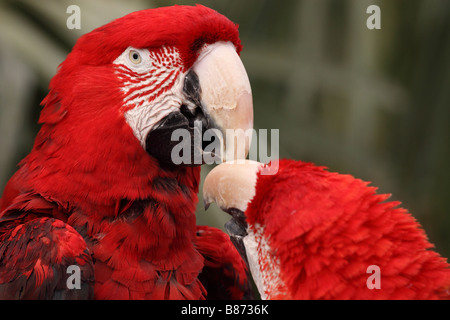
x=373 y=103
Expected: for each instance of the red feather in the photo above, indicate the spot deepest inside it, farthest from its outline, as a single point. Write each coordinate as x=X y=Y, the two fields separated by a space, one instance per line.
x=102 y=194
x=225 y=274
x=326 y=229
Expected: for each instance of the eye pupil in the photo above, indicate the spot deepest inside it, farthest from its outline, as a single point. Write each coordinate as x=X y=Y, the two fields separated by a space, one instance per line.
x=135 y=57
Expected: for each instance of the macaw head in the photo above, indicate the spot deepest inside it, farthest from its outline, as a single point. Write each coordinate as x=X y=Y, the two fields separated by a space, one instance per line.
x=284 y=221
x=308 y=233
x=128 y=86
x=276 y=215
x=232 y=186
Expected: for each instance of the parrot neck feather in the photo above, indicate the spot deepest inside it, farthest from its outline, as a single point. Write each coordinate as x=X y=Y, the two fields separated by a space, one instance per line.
x=264 y=265
x=145 y=233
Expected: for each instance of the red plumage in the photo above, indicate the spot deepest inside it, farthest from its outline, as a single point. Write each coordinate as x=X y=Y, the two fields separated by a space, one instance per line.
x=89 y=186
x=325 y=229
x=224 y=270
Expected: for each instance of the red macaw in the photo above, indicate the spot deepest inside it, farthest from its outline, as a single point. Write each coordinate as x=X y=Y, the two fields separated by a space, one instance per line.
x=100 y=190
x=308 y=233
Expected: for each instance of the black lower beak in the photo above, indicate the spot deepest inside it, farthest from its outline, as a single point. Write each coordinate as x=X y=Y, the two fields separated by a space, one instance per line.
x=183 y=147
x=237 y=230
x=162 y=141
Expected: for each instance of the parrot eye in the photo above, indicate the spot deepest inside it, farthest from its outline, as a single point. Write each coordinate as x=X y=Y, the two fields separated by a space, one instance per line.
x=135 y=57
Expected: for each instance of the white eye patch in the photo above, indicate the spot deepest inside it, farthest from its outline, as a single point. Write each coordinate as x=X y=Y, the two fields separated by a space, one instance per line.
x=152 y=81
x=137 y=60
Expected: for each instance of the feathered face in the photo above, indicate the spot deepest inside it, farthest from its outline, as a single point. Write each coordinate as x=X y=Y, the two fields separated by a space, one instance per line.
x=159 y=70
x=162 y=95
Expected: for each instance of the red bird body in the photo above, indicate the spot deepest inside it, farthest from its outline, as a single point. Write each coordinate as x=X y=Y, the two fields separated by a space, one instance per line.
x=89 y=195
x=328 y=228
x=315 y=234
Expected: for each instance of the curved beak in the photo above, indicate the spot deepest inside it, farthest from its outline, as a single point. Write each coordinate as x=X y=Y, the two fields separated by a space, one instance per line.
x=226 y=97
x=216 y=115
x=231 y=185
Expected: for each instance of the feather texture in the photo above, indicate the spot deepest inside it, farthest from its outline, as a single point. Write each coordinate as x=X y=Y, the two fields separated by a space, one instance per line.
x=89 y=194
x=325 y=229
x=225 y=274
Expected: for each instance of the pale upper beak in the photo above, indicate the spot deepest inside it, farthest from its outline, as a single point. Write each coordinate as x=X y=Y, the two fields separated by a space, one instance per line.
x=231 y=185
x=226 y=96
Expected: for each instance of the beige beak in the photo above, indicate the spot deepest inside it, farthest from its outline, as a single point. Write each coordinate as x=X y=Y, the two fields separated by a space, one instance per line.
x=226 y=96
x=231 y=184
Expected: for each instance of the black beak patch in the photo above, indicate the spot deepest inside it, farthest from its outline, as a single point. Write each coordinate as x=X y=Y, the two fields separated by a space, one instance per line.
x=161 y=141
x=237 y=230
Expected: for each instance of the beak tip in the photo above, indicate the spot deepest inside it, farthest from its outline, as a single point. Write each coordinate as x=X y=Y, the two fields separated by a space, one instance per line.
x=206 y=204
x=231 y=185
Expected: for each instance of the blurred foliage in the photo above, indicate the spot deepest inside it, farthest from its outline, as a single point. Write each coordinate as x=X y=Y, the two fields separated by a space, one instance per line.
x=372 y=103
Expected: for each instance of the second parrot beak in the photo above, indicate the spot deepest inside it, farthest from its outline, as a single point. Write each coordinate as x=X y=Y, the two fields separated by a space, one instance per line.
x=231 y=185
x=216 y=95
